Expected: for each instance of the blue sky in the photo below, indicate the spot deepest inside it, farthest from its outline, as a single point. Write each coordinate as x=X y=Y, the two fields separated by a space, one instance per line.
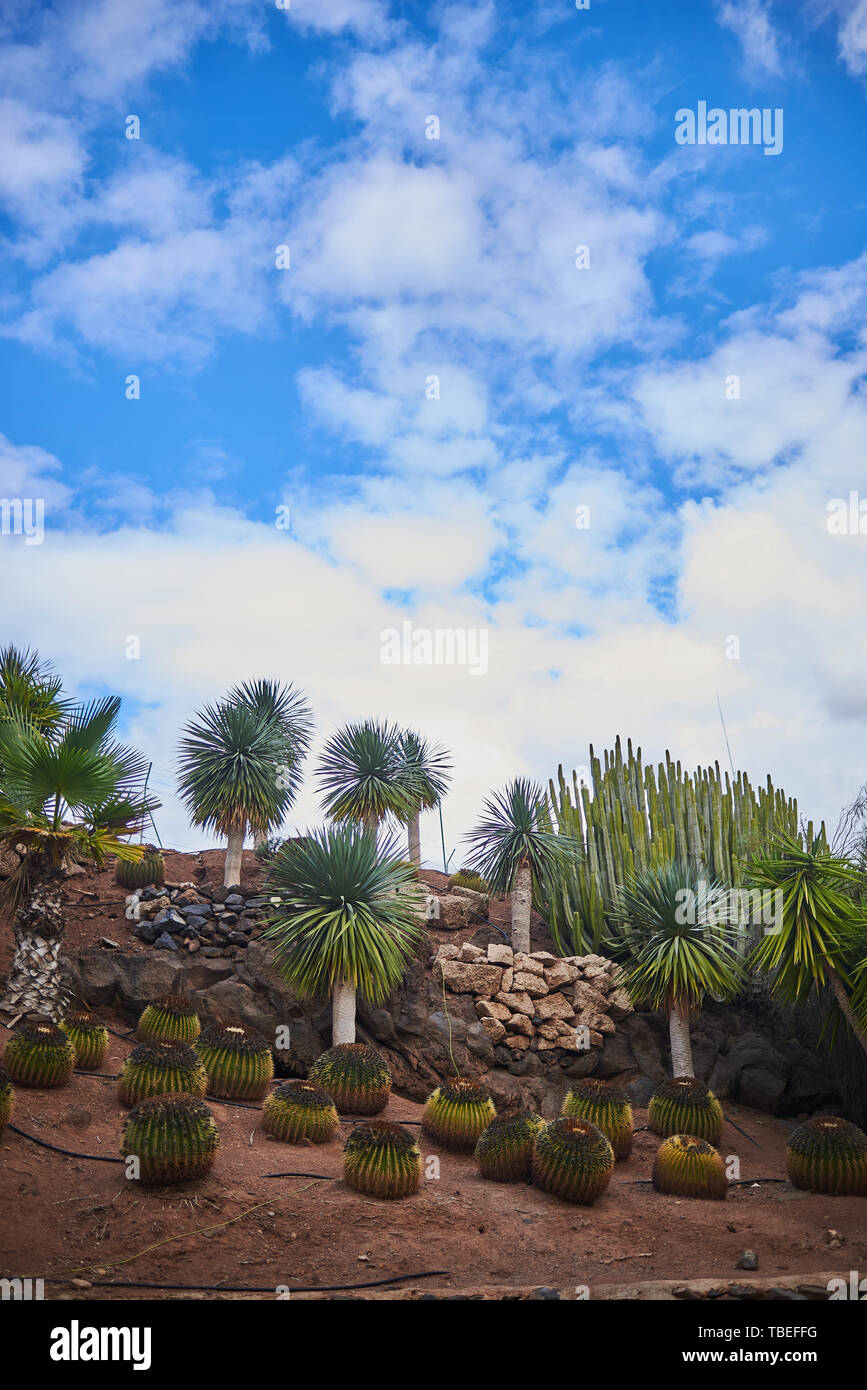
x=304 y=387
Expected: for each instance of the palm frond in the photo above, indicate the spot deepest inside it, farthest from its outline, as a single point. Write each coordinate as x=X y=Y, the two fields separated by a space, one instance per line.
x=428 y=767
x=514 y=832
x=361 y=774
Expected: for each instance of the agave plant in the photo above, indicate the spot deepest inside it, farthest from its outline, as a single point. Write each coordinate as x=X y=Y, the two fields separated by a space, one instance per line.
x=363 y=777
x=344 y=921
x=428 y=768
x=513 y=848
x=240 y=761
x=680 y=947
x=69 y=795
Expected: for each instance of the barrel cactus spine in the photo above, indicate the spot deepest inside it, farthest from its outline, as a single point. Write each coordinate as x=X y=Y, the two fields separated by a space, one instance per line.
x=7 y=1100
x=382 y=1159
x=504 y=1150
x=299 y=1112
x=174 y=1138
x=687 y=1166
x=684 y=1105
x=605 y=1105
x=157 y=1068
x=355 y=1076
x=238 y=1061
x=828 y=1154
x=39 y=1054
x=456 y=1113
x=141 y=873
x=573 y=1160
x=88 y=1036
x=169 y=1019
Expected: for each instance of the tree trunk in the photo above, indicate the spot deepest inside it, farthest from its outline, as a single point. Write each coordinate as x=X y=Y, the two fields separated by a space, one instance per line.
x=414 y=839
x=33 y=984
x=681 y=1047
x=522 y=895
x=370 y=823
x=342 y=1013
x=846 y=1008
x=234 y=848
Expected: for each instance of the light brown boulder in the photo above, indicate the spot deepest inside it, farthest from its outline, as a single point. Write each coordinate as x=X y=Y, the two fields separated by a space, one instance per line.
x=560 y=974
x=587 y=996
x=455 y=913
x=489 y=1008
x=516 y=1003
x=517 y=1042
x=494 y=1029
x=500 y=954
x=519 y=1023
x=508 y=977
x=619 y=1004
x=550 y=1031
x=555 y=1006
x=470 y=954
x=462 y=978
x=524 y=962
x=478 y=901
x=447 y=952
x=534 y=985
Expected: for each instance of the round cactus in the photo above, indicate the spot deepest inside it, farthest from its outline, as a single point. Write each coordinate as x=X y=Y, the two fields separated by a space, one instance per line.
x=39 y=1054
x=685 y=1106
x=465 y=878
x=355 y=1076
x=828 y=1154
x=150 y=869
x=88 y=1036
x=7 y=1100
x=158 y=1069
x=170 y=1019
x=606 y=1106
x=573 y=1159
x=382 y=1159
x=299 y=1112
x=238 y=1061
x=457 y=1112
x=174 y=1138
x=504 y=1151
x=687 y=1166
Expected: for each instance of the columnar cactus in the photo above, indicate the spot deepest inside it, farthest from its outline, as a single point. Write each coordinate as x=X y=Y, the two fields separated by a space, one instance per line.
x=299 y=1112
x=828 y=1154
x=169 y=1019
x=573 y=1159
x=355 y=1076
x=685 y=1106
x=504 y=1151
x=39 y=1054
x=150 y=869
x=238 y=1061
x=88 y=1036
x=605 y=1105
x=173 y=1137
x=456 y=1113
x=7 y=1100
x=689 y=1167
x=382 y=1159
x=157 y=1069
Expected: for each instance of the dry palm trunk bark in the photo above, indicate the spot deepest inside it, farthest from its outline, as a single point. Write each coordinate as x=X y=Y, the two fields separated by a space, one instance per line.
x=522 y=894
x=414 y=838
x=234 y=851
x=681 y=1046
x=33 y=985
x=846 y=1009
x=343 y=1013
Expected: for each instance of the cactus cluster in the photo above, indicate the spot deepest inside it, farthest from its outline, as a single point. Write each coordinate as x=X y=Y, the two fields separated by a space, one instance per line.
x=573 y=1160
x=828 y=1154
x=7 y=1100
x=355 y=1076
x=150 y=869
x=39 y=1054
x=687 y=1166
x=88 y=1036
x=457 y=1112
x=238 y=1061
x=465 y=878
x=299 y=1112
x=174 y=1138
x=169 y=1019
x=382 y=1159
x=684 y=1105
x=606 y=1106
x=631 y=818
x=504 y=1150
x=157 y=1069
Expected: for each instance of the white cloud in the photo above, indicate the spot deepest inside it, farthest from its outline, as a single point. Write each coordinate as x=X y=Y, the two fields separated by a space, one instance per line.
x=750 y=21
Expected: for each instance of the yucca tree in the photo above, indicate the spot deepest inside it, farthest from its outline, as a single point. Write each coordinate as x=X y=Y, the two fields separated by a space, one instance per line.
x=515 y=848
x=347 y=920
x=240 y=763
x=362 y=775
x=680 y=944
x=429 y=769
x=71 y=795
x=821 y=926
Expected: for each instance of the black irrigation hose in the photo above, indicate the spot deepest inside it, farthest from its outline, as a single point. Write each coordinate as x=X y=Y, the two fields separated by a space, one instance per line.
x=70 y=1153
x=732 y=1182
x=324 y=1177
x=258 y=1288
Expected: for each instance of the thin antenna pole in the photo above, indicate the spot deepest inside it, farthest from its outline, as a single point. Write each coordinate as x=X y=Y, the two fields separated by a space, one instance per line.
x=443 y=838
x=725 y=735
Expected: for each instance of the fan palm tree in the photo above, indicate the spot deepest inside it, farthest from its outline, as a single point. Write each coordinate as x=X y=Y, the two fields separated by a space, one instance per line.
x=31 y=689
x=347 y=919
x=514 y=848
x=70 y=796
x=429 y=769
x=362 y=775
x=240 y=763
x=821 y=925
x=680 y=945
